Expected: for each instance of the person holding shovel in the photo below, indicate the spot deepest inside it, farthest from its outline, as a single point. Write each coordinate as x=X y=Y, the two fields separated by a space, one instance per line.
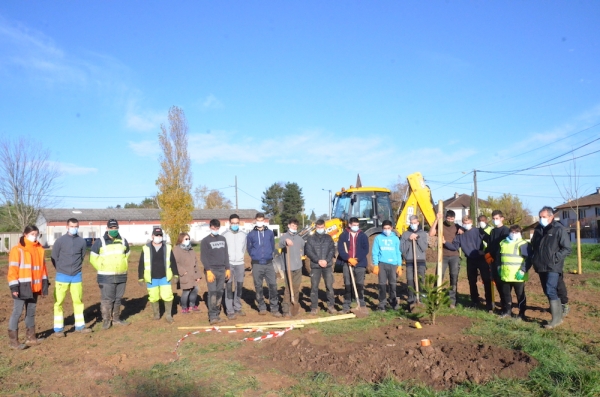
x=413 y=244
x=215 y=258
x=353 y=248
x=471 y=243
x=387 y=262
x=320 y=249
x=293 y=244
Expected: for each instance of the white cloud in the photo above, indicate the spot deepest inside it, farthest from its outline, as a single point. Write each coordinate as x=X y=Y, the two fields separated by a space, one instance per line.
x=139 y=120
x=211 y=102
x=73 y=169
x=145 y=148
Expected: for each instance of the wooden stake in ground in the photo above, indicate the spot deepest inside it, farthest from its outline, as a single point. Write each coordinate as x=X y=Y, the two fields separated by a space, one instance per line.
x=288 y=265
x=578 y=230
x=418 y=299
x=299 y=321
x=440 y=233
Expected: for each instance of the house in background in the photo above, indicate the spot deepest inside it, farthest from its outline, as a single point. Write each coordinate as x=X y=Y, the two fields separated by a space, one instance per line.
x=589 y=216
x=135 y=224
x=461 y=205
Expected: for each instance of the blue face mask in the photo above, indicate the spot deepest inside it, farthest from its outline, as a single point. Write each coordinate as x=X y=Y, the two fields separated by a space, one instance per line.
x=387 y=232
x=414 y=227
x=73 y=231
x=235 y=228
x=214 y=232
x=354 y=228
x=544 y=222
x=321 y=231
x=185 y=243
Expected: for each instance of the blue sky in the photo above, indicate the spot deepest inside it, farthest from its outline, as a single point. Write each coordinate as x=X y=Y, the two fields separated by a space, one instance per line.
x=309 y=92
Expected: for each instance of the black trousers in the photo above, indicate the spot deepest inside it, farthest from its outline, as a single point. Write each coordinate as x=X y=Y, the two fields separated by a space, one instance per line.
x=519 y=288
x=477 y=266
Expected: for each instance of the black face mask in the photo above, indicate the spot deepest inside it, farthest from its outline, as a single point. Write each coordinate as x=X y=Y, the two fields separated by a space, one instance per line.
x=448 y=223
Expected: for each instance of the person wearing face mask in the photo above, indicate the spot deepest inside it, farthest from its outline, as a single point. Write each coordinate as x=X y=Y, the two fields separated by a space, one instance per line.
x=551 y=245
x=387 y=262
x=292 y=242
x=419 y=236
x=450 y=256
x=236 y=246
x=515 y=262
x=484 y=228
x=353 y=248
x=156 y=268
x=187 y=267
x=27 y=280
x=261 y=247
x=214 y=255
x=320 y=249
x=492 y=251
x=109 y=256
x=67 y=256
x=471 y=243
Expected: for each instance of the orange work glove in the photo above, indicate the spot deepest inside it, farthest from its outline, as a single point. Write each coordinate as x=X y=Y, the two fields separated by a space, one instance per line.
x=227 y=274
x=489 y=259
x=376 y=270
x=353 y=261
x=399 y=271
x=210 y=277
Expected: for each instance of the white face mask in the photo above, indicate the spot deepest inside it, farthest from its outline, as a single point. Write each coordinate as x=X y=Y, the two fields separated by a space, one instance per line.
x=73 y=231
x=185 y=243
x=467 y=226
x=260 y=224
x=414 y=226
x=31 y=237
x=157 y=239
x=514 y=236
x=544 y=222
x=354 y=228
x=293 y=231
x=320 y=230
x=497 y=222
x=482 y=225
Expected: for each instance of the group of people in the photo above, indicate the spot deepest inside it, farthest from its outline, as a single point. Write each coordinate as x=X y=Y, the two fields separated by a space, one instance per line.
x=498 y=254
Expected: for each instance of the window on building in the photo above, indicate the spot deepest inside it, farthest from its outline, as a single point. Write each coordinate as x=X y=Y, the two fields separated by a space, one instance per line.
x=597 y=211
x=565 y=214
x=581 y=214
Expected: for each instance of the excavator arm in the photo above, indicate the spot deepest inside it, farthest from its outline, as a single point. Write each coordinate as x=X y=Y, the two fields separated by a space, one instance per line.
x=417 y=196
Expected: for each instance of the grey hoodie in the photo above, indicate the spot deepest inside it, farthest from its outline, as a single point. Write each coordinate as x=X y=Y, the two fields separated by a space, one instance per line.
x=296 y=250
x=236 y=245
x=407 y=248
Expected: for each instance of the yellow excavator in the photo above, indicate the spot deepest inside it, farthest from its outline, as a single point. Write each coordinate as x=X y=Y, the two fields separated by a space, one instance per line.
x=372 y=205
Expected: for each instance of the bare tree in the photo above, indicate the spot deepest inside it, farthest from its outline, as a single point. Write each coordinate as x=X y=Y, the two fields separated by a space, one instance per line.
x=570 y=192
x=175 y=178
x=27 y=180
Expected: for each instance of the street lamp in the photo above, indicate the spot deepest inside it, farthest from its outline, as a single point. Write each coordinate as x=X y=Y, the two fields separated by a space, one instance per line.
x=328 y=190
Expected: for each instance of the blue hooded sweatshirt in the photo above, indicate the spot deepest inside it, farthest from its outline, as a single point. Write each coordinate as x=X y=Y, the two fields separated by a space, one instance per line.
x=386 y=249
x=260 y=245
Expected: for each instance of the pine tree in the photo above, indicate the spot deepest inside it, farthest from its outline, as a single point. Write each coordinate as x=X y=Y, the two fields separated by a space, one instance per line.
x=175 y=178
x=293 y=202
x=272 y=200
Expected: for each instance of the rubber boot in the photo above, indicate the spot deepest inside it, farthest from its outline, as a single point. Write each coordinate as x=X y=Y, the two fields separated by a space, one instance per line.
x=13 y=340
x=116 y=316
x=105 y=309
x=557 y=313
x=31 y=338
x=565 y=309
x=155 y=310
x=168 y=311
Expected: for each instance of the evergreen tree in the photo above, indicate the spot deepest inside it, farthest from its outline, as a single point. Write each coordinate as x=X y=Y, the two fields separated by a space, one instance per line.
x=293 y=203
x=272 y=200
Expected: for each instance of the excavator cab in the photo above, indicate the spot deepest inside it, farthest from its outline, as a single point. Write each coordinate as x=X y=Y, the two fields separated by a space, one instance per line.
x=371 y=205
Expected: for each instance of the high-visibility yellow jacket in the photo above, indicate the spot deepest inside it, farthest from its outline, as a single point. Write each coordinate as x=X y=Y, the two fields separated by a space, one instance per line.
x=109 y=258
x=514 y=256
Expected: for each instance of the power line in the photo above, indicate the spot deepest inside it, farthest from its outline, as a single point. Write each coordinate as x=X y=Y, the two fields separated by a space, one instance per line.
x=248 y=194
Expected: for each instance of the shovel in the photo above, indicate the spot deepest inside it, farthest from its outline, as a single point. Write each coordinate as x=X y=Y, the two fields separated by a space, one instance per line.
x=358 y=310
x=418 y=298
x=295 y=306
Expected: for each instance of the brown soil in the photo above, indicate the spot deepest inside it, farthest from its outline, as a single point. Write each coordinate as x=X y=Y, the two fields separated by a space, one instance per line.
x=395 y=351
x=90 y=364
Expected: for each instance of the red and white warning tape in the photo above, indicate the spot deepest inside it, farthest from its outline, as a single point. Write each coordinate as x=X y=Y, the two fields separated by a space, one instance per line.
x=269 y=335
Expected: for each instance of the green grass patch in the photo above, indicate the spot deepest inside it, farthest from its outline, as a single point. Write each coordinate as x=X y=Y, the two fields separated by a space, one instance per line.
x=590 y=258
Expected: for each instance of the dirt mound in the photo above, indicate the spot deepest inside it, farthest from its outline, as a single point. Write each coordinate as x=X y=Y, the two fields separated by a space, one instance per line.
x=450 y=360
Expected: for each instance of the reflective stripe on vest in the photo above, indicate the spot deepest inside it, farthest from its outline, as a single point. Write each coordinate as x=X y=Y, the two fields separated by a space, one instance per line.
x=511 y=260
x=148 y=263
x=112 y=258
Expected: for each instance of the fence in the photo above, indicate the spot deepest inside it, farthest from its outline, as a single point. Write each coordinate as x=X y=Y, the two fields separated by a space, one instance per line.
x=8 y=240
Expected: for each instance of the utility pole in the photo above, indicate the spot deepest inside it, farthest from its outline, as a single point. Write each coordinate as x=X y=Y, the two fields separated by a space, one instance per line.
x=475 y=197
x=330 y=202
x=236 y=194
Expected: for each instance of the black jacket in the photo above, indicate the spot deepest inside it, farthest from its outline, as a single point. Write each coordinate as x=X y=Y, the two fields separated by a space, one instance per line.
x=320 y=247
x=551 y=245
x=493 y=240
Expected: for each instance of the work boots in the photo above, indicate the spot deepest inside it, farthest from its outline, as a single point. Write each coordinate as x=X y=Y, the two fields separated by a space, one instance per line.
x=116 y=316
x=13 y=340
x=31 y=338
x=155 y=310
x=557 y=314
x=168 y=311
x=106 y=309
